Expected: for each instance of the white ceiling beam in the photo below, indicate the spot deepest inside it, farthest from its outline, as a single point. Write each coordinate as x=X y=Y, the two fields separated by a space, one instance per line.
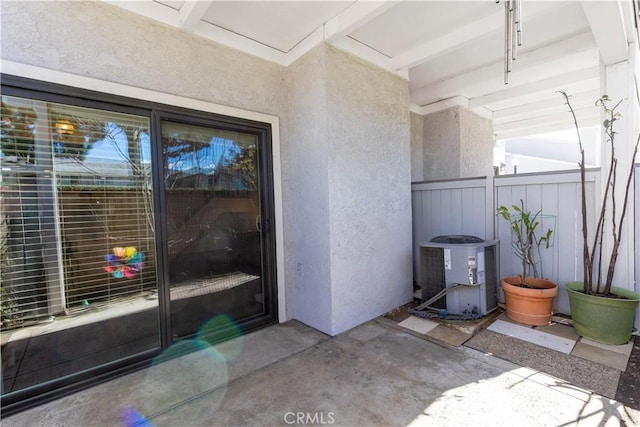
x=517 y=133
x=540 y=108
x=192 y=12
x=482 y=112
x=558 y=110
x=585 y=116
x=449 y=41
x=363 y=51
x=150 y=9
x=191 y=16
x=462 y=35
x=531 y=73
x=354 y=17
x=415 y=109
x=336 y=31
x=545 y=128
x=339 y=27
x=456 y=101
x=546 y=94
x=308 y=43
x=241 y=43
x=553 y=83
x=607 y=24
x=575 y=52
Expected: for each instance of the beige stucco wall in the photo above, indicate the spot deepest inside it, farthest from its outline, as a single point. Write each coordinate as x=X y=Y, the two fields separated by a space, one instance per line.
x=370 y=190
x=457 y=143
x=417 y=147
x=441 y=147
x=476 y=142
x=311 y=241
x=349 y=123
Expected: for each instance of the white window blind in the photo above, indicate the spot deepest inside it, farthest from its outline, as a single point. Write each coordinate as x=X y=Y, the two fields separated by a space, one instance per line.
x=76 y=216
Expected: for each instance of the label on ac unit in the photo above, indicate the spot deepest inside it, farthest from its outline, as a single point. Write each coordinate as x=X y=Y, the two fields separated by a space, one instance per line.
x=473 y=274
x=447 y=259
x=481 y=275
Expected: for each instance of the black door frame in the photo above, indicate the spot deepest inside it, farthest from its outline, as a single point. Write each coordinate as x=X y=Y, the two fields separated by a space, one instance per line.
x=52 y=92
x=268 y=247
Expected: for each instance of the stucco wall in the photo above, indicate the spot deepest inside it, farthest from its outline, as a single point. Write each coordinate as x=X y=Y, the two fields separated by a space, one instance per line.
x=369 y=190
x=349 y=127
x=309 y=171
x=457 y=144
x=417 y=148
x=441 y=145
x=476 y=141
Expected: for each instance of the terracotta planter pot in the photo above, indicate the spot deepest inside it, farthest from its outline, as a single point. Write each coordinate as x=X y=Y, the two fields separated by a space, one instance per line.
x=531 y=306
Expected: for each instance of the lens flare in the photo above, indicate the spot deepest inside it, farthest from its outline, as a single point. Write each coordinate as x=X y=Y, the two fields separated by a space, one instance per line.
x=223 y=333
x=186 y=370
x=132 y=418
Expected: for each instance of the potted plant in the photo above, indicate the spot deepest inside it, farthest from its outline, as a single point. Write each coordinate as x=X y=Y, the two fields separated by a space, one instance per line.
x=528 y=297
x=600 y=311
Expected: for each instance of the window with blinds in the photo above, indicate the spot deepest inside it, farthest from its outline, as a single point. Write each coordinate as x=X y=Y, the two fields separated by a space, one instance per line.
x=76 y=208
x=83 y=293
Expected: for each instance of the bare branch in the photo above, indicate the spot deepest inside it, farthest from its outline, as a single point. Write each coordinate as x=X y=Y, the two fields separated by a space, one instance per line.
x=586 y=257
x=610 y=186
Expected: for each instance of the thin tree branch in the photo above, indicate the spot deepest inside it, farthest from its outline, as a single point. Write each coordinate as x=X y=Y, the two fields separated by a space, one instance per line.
x=586 y=257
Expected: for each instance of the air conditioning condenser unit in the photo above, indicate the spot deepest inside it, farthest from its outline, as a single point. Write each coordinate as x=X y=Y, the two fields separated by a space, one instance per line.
x=447 y=261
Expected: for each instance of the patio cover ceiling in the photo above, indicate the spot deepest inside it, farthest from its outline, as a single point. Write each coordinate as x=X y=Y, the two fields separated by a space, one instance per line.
x=451 y=52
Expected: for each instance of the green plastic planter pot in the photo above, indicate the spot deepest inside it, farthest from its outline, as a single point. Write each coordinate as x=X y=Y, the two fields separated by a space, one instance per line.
x=606 y=320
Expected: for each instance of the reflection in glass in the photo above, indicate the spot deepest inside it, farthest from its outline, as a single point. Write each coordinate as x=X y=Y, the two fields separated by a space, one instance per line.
x=78 y=275
x=213 y=225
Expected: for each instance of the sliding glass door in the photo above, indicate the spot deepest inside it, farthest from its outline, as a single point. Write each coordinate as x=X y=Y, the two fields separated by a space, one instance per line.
x=78 y=263
x=125 y=229
x=213 y=211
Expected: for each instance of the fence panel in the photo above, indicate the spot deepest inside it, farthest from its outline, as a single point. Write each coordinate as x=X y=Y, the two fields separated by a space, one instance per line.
x=468 y=206
x=558 y=198
x=449 y=207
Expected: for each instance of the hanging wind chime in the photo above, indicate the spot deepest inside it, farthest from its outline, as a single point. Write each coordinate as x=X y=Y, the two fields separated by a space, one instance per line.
x=512 y=33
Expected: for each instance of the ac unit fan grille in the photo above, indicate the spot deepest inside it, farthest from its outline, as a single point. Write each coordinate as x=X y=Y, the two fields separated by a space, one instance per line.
x=433 y=275
x=491 y=276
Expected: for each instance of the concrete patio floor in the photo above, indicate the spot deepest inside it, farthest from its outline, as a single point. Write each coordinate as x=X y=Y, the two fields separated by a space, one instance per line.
x=377 y=374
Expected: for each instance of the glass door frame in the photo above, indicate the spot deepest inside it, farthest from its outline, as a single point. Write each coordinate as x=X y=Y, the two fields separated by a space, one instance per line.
x=54 y=92
x=267 y=210
x=50 y=390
